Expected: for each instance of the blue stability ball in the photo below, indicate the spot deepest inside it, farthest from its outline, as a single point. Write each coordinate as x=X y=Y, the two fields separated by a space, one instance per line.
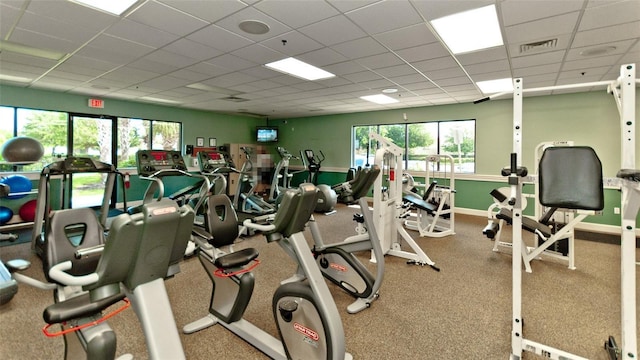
x=17 y=184
x=5 y=215
x=22 y=149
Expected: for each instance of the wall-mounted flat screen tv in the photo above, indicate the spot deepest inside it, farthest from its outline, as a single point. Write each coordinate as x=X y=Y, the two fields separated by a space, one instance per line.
x=266 y=134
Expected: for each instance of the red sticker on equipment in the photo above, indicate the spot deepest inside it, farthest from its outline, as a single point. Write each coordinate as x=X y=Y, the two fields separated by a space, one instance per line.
x=313 y=335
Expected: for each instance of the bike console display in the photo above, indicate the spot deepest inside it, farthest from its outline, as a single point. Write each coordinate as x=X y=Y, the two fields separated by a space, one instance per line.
x=152 y=161
x=214 y=161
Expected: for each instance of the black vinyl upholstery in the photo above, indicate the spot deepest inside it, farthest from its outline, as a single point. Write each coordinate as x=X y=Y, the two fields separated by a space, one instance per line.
x=571 y=178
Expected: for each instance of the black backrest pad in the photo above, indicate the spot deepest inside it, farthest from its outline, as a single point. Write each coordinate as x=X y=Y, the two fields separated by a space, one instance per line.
x=221 y=220
x=69 y=230
x=140 y=247
x=306 y=205
x=571 y=178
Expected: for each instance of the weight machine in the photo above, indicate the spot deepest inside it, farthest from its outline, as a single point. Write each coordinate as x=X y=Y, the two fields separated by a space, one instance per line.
x=434 y=211
x=623 y=90
x=553 y=229
x=387 y=205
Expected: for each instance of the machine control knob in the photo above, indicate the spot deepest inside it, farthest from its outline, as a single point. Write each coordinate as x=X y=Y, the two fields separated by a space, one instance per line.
x=287 y=308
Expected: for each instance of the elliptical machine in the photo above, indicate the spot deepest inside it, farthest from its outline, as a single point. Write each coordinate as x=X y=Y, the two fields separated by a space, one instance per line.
x=327 y=199
x=338 y=262
x=306 y=316
x=281 y=176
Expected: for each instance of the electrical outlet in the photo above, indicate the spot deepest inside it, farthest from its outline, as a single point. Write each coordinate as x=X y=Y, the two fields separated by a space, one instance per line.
x=616 y=210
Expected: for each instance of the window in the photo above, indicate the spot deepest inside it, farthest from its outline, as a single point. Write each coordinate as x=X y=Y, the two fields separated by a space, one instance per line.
x=138 y=134
x=455 y=138
x=62 y=134
x=48 y=127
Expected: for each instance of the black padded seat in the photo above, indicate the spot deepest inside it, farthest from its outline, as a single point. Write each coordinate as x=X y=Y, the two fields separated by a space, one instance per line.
x=629 y=174
x=78 y=307
x=527 y=223
x=418 y=202
x=236 y=259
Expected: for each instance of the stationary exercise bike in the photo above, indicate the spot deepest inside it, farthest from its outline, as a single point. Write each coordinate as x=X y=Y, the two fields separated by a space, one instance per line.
x=338 y=261
x=89 y=273
x=306 y=316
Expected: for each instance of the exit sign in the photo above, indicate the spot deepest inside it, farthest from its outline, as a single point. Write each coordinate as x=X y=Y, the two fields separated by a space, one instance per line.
x=96 y=103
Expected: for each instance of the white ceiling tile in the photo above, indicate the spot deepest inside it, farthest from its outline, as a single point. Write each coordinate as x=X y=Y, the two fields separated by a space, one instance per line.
x=219 y=38
x=140 y=33
x=436 y=9
x=488 y=67
x=362 y=76
x=446 y=62
x=542 y=29
x=521 y=11
x=322 y=57
x=345 y=67
x=165 y=82
x=206 y=10
x=47 y=25
x=130 y=74
x=42 y=41
x=380 y=61
x=260 y=72
x=358 y=48
x=208 y=69
x=553 y=57
x=608 y=34
x=296 y=13
x=163 y=17
x=384 y=16
x=537 y=70
x=231 y=62
x=423 y=52
x=409 y=79
x=294 y=43
x=85 y=18
x=333 y=30
x=231 y=80
x=258 y=54
x=398 y=70
x=407 y=37
x=611 y=13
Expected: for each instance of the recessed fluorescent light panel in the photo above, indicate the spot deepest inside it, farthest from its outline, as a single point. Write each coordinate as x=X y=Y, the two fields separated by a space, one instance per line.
x=495 y=86
x=379 y=99
x=115 y=7
x=31 y=51
x=14 y=78
x=470 y=30
x=159 y=100
x=299 y=69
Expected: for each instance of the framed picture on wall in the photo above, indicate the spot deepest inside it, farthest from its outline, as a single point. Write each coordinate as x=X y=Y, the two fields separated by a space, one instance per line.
x=212 y=142
x=200 y=141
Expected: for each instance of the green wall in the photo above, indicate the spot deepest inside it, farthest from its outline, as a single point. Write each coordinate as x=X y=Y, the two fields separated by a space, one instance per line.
x=586 y=118
x=196 y=123
x=589 y=118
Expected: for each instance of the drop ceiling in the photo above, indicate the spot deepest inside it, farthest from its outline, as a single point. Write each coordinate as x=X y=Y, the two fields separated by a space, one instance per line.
x=193 y=54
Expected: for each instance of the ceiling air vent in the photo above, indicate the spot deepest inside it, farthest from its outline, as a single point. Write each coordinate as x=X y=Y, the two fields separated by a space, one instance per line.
x=538 y=46
x=234 y=99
